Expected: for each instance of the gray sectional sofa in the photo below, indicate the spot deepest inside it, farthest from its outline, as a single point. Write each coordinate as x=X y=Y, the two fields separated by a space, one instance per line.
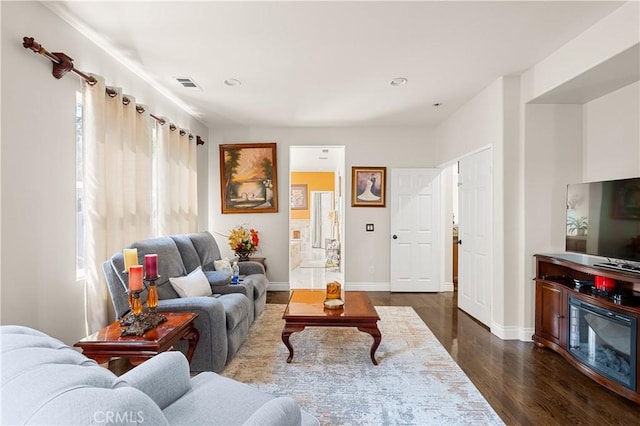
x=223 y=319
x=45 y=381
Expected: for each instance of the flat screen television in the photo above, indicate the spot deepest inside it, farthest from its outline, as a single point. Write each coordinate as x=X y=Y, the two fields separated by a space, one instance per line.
x=603 y=219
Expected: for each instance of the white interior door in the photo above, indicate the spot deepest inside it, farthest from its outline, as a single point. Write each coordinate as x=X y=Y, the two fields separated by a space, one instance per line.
x=415 y=230
x=474 y=232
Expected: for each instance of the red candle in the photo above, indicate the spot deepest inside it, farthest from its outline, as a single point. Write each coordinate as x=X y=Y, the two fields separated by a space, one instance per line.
x=151 y=266
x=135 y=278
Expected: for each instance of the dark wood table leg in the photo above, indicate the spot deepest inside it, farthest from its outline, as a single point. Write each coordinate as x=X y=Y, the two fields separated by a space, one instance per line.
x=97 y=358
x=377 y=337
x=286 y=332
x=137 y=360
x=192 y=336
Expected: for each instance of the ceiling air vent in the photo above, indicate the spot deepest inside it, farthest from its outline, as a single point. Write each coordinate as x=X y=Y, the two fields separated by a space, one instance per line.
x=187 y=82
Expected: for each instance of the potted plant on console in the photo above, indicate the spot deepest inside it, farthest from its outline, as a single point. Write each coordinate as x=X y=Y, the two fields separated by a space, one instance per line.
x=243 y=241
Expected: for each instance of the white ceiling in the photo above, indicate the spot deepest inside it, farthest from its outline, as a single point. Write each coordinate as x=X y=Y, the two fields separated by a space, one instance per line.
x=329 y=63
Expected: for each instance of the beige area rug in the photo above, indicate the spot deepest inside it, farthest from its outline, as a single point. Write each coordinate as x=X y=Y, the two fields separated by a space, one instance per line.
x=332 y=377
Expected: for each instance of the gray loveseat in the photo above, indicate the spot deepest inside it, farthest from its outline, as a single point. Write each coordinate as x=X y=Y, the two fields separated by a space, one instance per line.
x=45 y=381
x=223 y=318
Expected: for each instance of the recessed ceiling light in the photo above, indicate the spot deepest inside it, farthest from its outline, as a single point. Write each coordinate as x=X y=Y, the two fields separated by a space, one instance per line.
x=233 y=82
x=399 y=81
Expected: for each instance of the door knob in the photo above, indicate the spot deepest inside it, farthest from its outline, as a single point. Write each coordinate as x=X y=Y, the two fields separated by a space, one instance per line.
x=395 y=237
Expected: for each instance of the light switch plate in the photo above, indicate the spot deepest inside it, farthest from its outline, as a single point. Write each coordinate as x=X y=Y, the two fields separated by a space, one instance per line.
x=369 y=227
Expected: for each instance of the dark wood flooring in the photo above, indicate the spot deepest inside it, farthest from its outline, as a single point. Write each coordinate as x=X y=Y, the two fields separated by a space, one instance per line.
x=525 y=385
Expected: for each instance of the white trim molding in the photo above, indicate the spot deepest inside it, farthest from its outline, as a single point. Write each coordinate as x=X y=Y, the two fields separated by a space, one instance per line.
x=512 y=332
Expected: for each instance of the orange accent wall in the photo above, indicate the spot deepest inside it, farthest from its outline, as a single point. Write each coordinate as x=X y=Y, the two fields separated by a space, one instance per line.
x=316 y=181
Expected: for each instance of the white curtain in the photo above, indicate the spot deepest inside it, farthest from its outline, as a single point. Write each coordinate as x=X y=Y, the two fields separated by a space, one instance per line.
x=316 y=232
x=118 y=205
x=177 y=181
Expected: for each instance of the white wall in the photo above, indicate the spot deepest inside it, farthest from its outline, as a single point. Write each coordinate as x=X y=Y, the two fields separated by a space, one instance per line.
x=38 y=275
x=614 y=34
x=612 y=135
x=553 y=159
x=476 y=125
x=390 y=147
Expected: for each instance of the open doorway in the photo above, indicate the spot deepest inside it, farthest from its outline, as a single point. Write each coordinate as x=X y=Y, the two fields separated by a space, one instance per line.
x=316 y=215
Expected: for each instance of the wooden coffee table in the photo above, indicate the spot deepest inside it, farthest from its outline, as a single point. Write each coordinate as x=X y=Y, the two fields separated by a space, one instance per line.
x=107 y=343
x=306 y=309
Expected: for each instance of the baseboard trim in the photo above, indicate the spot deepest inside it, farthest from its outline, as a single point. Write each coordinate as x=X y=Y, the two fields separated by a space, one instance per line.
x=446 y=286
x=355 y=286
x=527 y=334
x=512 y=332
x=278 y=286
x=368 y=286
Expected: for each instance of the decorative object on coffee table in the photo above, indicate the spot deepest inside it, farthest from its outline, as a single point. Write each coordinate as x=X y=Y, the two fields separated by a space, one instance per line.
x=334 y=296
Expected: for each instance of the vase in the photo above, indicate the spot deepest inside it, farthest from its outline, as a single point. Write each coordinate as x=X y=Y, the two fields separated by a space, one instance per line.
x=243 y=255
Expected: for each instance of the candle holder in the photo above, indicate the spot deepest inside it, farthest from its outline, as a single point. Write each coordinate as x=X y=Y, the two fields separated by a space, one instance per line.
x=134 y=322
x=153 y=316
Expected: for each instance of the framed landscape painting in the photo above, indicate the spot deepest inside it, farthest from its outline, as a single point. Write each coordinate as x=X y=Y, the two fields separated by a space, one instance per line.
x=368 y=186
x=248 y=178
x=299 y=197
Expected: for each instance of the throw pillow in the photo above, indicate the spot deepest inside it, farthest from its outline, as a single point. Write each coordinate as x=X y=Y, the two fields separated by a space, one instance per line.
x=223 y=265
x=194 y=284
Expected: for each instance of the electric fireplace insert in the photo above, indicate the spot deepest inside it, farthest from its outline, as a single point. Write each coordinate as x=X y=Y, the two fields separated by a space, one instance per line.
x=603 y=340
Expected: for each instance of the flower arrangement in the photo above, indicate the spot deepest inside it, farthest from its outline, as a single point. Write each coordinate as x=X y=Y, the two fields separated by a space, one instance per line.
x=243 y=241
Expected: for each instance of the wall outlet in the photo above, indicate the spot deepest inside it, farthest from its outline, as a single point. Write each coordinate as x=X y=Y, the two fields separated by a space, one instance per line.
x=369 y=227
x=372 y=269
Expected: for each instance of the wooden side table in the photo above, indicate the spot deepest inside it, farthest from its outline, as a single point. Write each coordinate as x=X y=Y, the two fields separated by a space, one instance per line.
x=261 y=260
x=107 y=343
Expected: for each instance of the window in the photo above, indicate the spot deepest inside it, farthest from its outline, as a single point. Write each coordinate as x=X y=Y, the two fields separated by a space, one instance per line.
x=80 y=237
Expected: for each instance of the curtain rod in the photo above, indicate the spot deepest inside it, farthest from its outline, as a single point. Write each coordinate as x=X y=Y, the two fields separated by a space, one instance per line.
x=62 y=64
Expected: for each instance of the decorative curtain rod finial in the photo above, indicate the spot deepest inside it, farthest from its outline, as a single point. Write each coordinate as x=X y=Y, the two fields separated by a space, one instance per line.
x=62 y=63
x=30 y=43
